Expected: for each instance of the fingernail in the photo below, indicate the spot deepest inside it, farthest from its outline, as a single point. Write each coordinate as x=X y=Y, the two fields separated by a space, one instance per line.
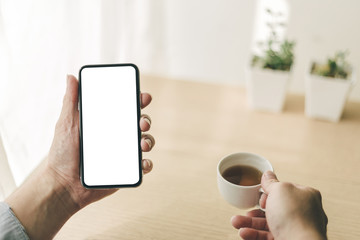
x=147 y=120
x=145 y=164
x=67 y=81
x=269 y=175
x=148 y=141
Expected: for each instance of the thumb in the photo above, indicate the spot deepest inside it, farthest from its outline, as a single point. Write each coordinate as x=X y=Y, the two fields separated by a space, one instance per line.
x=70 y=102
x=268 y=181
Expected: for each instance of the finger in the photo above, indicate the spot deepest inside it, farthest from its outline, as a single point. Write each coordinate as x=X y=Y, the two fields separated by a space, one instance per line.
x=256 y=213
x=147 y=165
x=268 y=180
x=145 y=122
x=252 y=234
x=70 y=101
x=145 y=99
x=262 y=201
x=147 y=142
x=258 y=223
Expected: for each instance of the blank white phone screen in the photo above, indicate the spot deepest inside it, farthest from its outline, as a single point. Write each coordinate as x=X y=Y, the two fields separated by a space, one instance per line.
x=110 y=140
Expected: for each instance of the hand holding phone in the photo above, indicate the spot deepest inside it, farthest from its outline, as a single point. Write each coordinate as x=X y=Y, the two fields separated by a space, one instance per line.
x=110 y=135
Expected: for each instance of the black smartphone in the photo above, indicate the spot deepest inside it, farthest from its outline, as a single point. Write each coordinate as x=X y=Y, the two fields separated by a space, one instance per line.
x=110 y=135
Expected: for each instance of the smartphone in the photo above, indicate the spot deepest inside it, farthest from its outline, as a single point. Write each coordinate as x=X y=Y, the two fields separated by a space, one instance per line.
x=110 y=135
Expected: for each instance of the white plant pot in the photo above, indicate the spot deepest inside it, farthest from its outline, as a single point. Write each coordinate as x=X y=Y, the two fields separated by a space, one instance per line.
x=325 y=97
x=266 y=89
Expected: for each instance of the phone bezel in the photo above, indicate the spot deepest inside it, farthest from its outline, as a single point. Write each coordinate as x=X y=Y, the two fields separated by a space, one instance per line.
x=138 y=104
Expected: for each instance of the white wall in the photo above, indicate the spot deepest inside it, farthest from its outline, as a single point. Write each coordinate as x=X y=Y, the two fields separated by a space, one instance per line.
x=211 y=40
x=320 y=28
x=208 y=40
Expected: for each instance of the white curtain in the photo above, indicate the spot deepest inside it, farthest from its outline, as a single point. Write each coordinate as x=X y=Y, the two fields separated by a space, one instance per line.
x=43 y=40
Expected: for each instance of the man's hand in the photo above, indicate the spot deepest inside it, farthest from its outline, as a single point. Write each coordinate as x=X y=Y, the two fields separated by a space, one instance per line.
x=53 y=193
x=63 y=158
x=292 y=212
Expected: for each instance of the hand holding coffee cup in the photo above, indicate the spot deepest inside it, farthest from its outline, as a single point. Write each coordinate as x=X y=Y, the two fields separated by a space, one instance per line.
x=239 y=178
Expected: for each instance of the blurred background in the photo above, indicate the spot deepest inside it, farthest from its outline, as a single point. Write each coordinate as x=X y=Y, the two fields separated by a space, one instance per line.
x=209 y=41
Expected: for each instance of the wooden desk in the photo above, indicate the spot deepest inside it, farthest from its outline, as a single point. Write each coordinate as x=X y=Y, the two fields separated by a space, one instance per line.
x=195 y=124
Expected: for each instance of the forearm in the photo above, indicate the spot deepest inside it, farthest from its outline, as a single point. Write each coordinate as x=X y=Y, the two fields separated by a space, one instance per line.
x=42 y=204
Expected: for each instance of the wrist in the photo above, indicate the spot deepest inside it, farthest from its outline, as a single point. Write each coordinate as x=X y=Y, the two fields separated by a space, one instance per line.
x=60 y=191
x=42 y=204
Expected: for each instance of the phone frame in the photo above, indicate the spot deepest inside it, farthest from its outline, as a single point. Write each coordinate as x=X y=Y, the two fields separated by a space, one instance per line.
x=81 y=133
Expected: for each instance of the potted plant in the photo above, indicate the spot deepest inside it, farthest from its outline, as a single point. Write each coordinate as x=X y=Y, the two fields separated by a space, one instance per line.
x=270 y=71
x=327 y=87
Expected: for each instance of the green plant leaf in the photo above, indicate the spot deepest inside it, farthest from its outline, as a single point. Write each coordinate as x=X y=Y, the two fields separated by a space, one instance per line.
x=277 y=55
x=335 y=67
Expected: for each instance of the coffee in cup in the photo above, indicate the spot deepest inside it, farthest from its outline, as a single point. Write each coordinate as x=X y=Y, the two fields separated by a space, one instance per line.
x=239 y=178
x=242 y=175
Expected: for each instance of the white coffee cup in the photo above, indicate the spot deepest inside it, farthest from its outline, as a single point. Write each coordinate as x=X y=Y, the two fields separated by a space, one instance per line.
x=241 y=196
